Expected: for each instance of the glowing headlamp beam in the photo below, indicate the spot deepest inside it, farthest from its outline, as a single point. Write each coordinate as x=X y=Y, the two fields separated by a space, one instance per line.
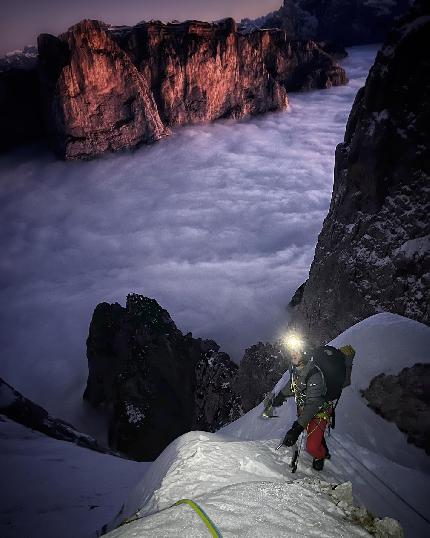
x=293 y=342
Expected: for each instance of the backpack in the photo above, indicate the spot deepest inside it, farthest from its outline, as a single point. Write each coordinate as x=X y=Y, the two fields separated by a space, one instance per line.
x=331 y=362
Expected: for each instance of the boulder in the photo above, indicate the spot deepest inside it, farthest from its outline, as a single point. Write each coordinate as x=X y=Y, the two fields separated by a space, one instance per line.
x=405 y=400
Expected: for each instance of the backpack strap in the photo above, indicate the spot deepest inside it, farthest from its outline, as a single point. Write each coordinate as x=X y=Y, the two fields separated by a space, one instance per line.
x=314 y=370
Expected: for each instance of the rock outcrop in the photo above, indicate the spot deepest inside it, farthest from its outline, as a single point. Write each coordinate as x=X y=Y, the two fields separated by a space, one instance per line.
x=373 y=253
x=260 y=369
x=110 y=88
x=20 y=409
x=344 y=22
x=405 y=400
x=216 y=401
x=95 y=98
x=154 y=382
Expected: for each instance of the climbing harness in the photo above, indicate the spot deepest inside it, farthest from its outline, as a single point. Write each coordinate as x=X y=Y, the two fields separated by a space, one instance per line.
x=299 y=396
x=325 y=411
x=316 y=427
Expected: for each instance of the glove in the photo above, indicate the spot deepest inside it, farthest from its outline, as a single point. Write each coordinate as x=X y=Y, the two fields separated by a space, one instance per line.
x=292 y=434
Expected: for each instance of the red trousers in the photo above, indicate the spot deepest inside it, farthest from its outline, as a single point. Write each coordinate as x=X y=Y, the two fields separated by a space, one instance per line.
x=315 y=444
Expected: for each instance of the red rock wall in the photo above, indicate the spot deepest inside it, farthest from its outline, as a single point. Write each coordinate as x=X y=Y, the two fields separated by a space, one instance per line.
x=99 y=102
x=116 y=88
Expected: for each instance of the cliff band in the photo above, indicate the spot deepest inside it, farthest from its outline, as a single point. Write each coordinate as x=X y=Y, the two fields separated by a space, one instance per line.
x=110 y=88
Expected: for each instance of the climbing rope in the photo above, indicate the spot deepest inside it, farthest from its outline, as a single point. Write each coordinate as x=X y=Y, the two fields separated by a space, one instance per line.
x=404 y=501
x=204 y=517
x=213 y=529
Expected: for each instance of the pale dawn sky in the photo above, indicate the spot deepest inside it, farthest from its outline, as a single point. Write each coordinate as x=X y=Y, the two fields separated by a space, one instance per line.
x=22 y=20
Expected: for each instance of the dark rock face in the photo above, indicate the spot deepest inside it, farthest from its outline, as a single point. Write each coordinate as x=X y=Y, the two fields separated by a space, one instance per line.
x=217 y=403
x=260 y=369
x=20 y=100
x=107 y=89
x=18 y=408
x=405 y=400
x=155 y=382
x=345 y=22
x=298 y=296
x=373 y=253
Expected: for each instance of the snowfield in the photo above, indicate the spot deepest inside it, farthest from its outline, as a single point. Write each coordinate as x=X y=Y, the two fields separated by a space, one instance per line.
x=246 y=486
x=53 y=489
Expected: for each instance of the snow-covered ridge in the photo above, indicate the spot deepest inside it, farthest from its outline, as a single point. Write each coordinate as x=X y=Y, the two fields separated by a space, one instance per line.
x=246 y=486
x=251 y=493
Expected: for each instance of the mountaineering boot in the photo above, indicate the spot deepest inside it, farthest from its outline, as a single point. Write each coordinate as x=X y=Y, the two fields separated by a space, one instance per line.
x=318 y=465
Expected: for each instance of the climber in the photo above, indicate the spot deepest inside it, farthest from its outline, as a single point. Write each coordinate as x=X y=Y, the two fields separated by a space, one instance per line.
x=316 y=380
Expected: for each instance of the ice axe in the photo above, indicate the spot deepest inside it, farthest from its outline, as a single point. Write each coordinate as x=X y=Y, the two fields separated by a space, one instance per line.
x=296 y=453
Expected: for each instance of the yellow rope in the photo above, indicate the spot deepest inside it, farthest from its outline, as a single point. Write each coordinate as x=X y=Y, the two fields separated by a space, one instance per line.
x=205 y=518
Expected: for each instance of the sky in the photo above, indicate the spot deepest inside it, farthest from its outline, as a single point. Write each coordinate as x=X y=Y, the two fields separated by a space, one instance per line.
x=217 y=222
x=22 y=20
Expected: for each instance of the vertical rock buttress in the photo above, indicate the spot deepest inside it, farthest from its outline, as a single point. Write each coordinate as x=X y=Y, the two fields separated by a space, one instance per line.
x=108 y=88
x=373 y=253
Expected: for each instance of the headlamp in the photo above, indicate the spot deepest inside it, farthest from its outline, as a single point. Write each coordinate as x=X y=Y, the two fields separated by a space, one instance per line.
x=293 y=342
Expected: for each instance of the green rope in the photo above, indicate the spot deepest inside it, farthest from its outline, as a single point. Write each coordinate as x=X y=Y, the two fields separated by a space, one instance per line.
x=205 y=518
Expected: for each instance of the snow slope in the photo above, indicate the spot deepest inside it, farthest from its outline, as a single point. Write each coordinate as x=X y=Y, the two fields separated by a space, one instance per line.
x=53 y=489
x=246 y=487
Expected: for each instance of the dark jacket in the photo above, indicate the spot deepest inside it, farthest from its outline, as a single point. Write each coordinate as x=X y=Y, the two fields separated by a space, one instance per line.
x=308 y=387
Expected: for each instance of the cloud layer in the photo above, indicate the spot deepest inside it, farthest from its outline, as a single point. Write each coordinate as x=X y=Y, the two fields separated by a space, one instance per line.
x=218 y=223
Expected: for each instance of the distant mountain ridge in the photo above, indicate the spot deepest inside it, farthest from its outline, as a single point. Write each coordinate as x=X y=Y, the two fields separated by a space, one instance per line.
x=345 y=22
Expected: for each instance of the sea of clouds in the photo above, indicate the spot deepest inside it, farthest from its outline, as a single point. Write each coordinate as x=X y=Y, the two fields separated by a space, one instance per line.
x=218 y=223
